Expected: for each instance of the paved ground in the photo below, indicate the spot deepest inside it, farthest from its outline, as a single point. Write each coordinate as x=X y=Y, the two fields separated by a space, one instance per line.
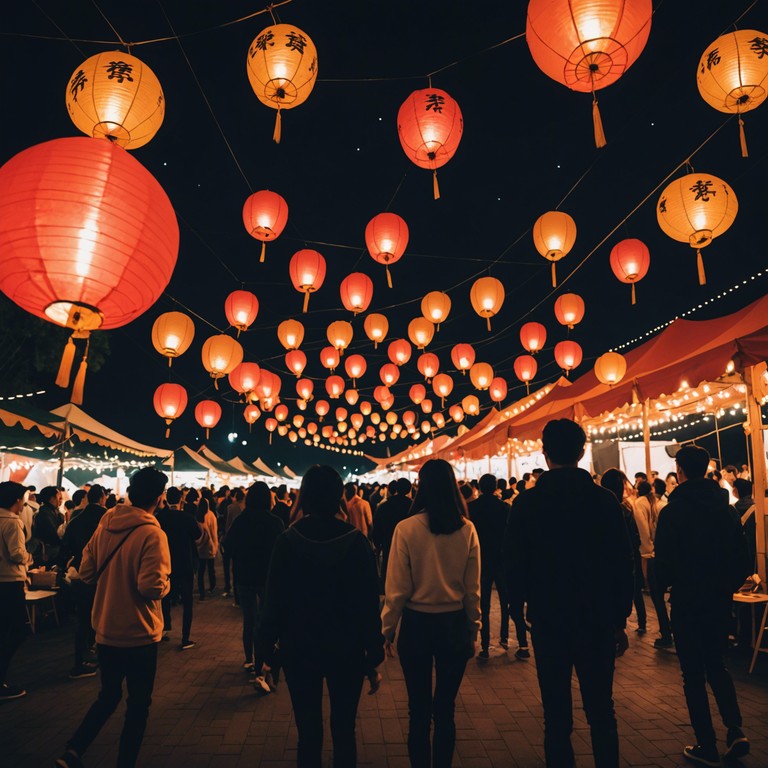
x=205 y=715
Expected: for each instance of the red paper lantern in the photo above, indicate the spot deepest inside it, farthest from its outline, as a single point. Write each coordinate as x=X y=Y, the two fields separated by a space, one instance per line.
x=389 y=373
x=498 y=389
x=442 y=384
x=351 y=396
x=399 y=351
x=426 y=406
x=281 y=412
x=417 y=393
x=169 y=400
x=365 y=408
x=321 y=408
x=428 y=365
x=265 y=215
x=386 y=238
x=329 y=358
x=304 y=388
x=630 y=260
x=430 y=125
x=356 y=292
x=533 y=337
x=245 y=378
x=456 y=412
x=357 y=420
x=307 y=271
x=568 y=355
x=355 y=366
x=295 y=361
x=207 y=415
x=525 y=369
x=569 y=309
x=463 y=357
x=334 y=386
x=268 y=388
x=341 y=414
x=409 y=418
x=270 y=425
x=251 y=413
x=381 y=394
x=241 y=308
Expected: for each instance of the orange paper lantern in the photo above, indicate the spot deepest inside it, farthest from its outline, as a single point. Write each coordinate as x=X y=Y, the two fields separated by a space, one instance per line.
x=435 y=306
x=207 y=415
x=487 y=296
x=498 y=389
x=355 y=366
x=290 y=334
x=420 y=332
x=442 y=384
x=281 y=412
x=428 y=365
x=533 y=336
x=409 y=418
x=569 y=309
x=456 y=412
x=525 y=369
x=389 y=373
x=554 y=234
x=244 y=378
x=356 y=292
x=376 y=327
x=481 y=375
x=365 y=408
x=471 y=405
x=241 y=308
x=417 y=393
x=357 y=420
x=329 y=358
x=296 y=361
x=426 y=406
x=321 y=408
x=268 y=388
x=265 y=215
x=463 y=357
x=304 y=388
x=381 y=394
x=271 y=426
x=630 y=260
x=251 y=413
x=339 y=334
x=169 y=400
x=221 y=355
x=172 y=333
x=610 y=368
x=386 y=237
x=351 y=396
x=334 y=386
x=568 y=355
x=399 y=351
x=307 y=271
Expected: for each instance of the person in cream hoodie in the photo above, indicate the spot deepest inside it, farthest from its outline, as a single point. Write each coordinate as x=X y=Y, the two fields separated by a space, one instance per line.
x=128 y=560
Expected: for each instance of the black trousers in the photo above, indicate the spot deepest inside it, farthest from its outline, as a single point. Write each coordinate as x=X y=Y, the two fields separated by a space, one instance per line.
x=251 y=600
x=658 y=599
x=209 y=563
x=137 y=667
x=491 y=574
x=305 y=685
x=82 y=597
x=701 y=639
x=442 y=640
x=181 y=588
x=592 y=654
x=13 y=622
x=637 y=597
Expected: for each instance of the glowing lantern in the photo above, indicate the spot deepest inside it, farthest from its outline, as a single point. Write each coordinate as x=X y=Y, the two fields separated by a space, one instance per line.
x=409 y=418
x=89 y=239
x=321 y=408
x=435 y=306
x=115 y=96
x=481 y=375
x=241 y=308
x=271 y=426
x=420 y=332
x=439 y=420
x=329 y=358
x=463 y=357
x=312 y=428
x=339 y=334
x=696 y=209
x=244 y=378
x=487 y=296
x=282 y=68
x=281 y=412
x=554 y=234
x=391 y=418
x=172 y=333
x=533 y=336
x=569 y=309
x=381 y=393
x=251 y=414
x=386 y=237
x=610 y=368
x=221 y=355
x=442 y=384
x=301 y=404
x=334 y=386
x=304 y=388
x=357 y=420
x=399 y=351
x=428 y=365
x=732 y=74
x=430 y=125
x=290 y=334
x=282 y=430
x=365 y=408
x=297 y=421
x=587 y=44
x=525 y=369
x=456 y=412
x=351 y=396
x=426 y=427
x=342 y=426
x=356 y=292
x=296 y=361
x=426 y=405
x=389 y=373
x=376 y=327
x=268 y=388
x=568 y=355
x=630 y=260
x=265 y=215
x=327 y=431
x=307 y=271
x=170 y=400
x=355 y=366
x=292 y=436
x=417 y=393
x=471 y=405
x=498 y=389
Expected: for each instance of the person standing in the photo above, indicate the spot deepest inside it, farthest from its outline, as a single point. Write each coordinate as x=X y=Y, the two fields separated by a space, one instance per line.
x=128 y=560
x=234 y=509
x=433 y=593
x=358 y=510
x=14 y=560
x=46 y=525
x=388 y=514
x=701 y=553
x=282 y=507
x=568 y=556
x=207 y=547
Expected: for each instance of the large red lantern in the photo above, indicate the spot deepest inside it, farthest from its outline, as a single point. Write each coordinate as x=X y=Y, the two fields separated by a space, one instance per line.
x=386 y=237
x=334 y=386
x=88 y=238
x=630 y=260
x=463 y=357
x=355 y=366
x=265 y=215
x=399 y=351
x=569 y=310
x=430 y=125
x=169 y=400
x=307 y=271
x=428 y=365
x=498 y=389
x=533 y=336
x=568 y=355
x=207 y=415
x=241 y=308
x=587 y=44
x=356 y=292
x=244 y=378
x=389 y=373
x=329 y=358
x=296 y=361
x=525 y=369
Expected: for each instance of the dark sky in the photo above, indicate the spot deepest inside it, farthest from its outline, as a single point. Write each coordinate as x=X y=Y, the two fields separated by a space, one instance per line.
x=527 y=144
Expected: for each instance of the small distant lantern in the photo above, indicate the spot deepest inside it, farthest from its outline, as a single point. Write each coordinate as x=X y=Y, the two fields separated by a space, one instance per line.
x=356 y=292
x=321 y=408
x=554 y=234
x=329 y=358
x=426 y=405
x=265 y=215
x=351 y=396
x=290 y=334
x=305 y=388
x=207 y=415
x=471 y=405
x=399 y=351
x=386 y=237
x=428 y=365
x=435 y=306
x=376 y=327
x=498 y=389
x=381 y=393
x=409 y=418
x=463 y=357
x=170 y=400
x=569 y=310
x=456 y=412
x=439 y=420
x=417 y=393
x=695 y=209
x=270 y=425
x=568 y=355
x=391 y=418
x=429 y=124
x=251 y=414
x=487 y=296
x=365 y=408
x=340 y=414
x=244 y=378
x=295 y=361
x=172 y=333
x=355 y=366
x=339 y=334
x=610 y=368
x=481 y=375
x=307 y=271
x=312 y=428
x=525 y=369
x=241 y=308
x=630 y=260
x=334 y=386
x=420 y=332
x=221 y=355
x=442 y=384
x=389 y=373
x=282 y=68
x=357 y=420
x=533 y=336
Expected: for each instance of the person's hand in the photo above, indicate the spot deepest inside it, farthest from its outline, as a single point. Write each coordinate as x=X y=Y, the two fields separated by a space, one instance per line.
x=622 y=642
x=389 y=649
x=374 y=679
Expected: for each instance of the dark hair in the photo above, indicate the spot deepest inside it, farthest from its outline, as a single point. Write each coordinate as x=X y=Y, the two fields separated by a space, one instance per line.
x=466 y=491
x=614 y=480
x=659 y=487
x=539 y=471
x=238 y=494
x=693 y=460
x=403 y=486
x=146 y=486
x=487 y=483
x=96 y=493
x=520 y=485
x=282 y=491
x=644 y=488
x=111 y=501
x=439 y=497
x=392 y=487
x=69 y=505
x=259 y=497
x=173 y=495
x=715 y=475
x=10 y=493
x=202 y=509
x=731 y=468
x=671 y=474
x=78 y=496
x=350 y=489
x=641 y=475
x=501 y=484
x=320 y=493
x=192 y=496
x=742 y=487
x=47 y=493
x=563 y=441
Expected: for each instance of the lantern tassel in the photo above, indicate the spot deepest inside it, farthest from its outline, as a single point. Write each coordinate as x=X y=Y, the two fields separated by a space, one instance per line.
x=743 y=138
x=600 y=141
x=270 y=438
x=554 y=275
x=65 y=367
x=527 y=388
x=167 y=431
x=435 y=186
x=278 y=126
x=634 y=297
x=389 y=276
x=79 y=385
x=700 y=267
x=306 y=301
x=215 y=383
x=488 y=321
x=170 y=362
x=263 y=251
x=207 y=434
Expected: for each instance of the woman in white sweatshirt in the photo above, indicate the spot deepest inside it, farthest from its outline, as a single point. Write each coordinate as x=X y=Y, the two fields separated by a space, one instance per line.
x=433 y=592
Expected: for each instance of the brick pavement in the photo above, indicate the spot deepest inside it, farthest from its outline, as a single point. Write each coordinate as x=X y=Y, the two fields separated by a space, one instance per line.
x=204 y=715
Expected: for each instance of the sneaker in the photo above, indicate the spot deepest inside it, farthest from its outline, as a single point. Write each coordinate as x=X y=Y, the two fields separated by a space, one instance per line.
x=663 y=642
x=69 y=760
x=737 y=743
x=260 y=686
x=522 y=653
x=83 y=670
x=504 y=643
x=8 y=692
x=703 y=755
x=186 y=645
x=484 y=655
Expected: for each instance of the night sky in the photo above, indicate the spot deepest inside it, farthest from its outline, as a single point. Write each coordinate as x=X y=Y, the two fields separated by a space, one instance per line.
x=527 y=148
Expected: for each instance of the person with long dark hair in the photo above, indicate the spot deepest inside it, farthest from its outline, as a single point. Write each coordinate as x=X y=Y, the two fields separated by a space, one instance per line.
x=322 y=606
x=207 y=546
x=433 y=592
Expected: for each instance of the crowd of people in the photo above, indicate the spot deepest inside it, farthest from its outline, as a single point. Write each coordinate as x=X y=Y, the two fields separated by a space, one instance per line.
x=398 y=570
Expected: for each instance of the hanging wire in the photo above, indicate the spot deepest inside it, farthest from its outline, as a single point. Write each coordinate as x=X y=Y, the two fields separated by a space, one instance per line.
x=66 y=36
x=111 y=25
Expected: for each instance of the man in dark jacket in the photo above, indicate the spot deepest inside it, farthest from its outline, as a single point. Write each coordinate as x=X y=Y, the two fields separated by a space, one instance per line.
x=701 y=553
x=388 y=515
x=46 y=525
x=77 y=534
x=568 y=557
